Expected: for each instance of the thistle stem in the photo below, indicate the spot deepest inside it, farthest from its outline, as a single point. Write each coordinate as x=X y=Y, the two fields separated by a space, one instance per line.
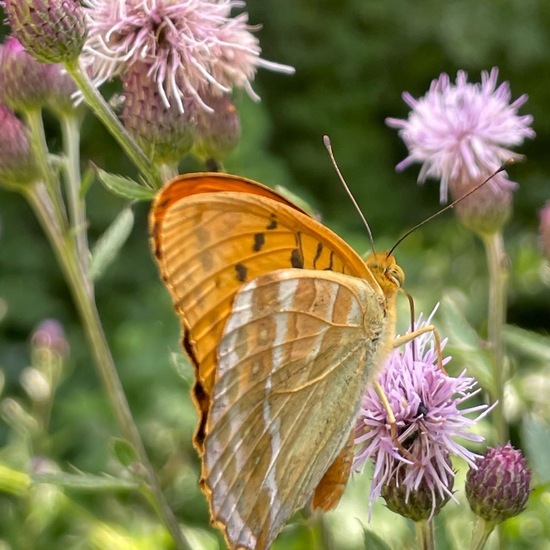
x=425 y=537
x=480 y=534
x=498 y=275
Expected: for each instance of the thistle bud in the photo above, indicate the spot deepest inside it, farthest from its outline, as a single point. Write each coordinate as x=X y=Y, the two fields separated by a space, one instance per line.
x=61 y=89
x=49 y=334
x=499 y=488
x=17 y=163
x=545 y=230
x=23 y=80
x=218 y=131
x=420 y=503
x=486 y=210
x=53 y=31
x=164 y=132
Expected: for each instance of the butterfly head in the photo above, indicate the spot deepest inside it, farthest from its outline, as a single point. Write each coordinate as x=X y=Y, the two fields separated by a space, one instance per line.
x=387 y=273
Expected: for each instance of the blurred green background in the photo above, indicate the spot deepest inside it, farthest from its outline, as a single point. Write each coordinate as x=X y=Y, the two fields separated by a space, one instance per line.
x=353 y=60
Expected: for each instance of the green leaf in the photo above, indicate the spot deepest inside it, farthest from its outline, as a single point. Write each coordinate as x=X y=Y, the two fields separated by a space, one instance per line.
x=465 y=342
x=125 y=453
x=109 y=244
x=125 y=187
x=536 y=434
x=528 y=343
x=87 y=482
x=373 y=541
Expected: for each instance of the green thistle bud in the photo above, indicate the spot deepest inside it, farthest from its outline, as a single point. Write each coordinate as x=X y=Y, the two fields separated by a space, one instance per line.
x=17 y=165
x=418 y=504
x=164 y=132
x=218 y=132
x=23 y=80
x=61 y=88
x=53 y=31
x=486 y=210
x=500 y=487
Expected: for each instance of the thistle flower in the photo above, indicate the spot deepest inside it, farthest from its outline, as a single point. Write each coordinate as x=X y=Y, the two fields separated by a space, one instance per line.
x=498 y=488
x=23 y=79
x=165 y=133
x=53 y=31
x=17 y=163
x=187 y=46
x=463 y=132
x=425 y=402
x=544 y=231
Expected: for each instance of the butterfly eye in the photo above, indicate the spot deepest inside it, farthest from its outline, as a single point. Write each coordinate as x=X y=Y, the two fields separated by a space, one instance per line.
x=396 y=274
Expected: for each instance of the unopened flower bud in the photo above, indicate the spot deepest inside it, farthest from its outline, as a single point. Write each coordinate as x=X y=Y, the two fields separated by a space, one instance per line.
x=50 y=334
x=23 y=79
x=164 y=132
x=420 y=503
x=545 y=230
x=61 y=90
x=499 y=488
x=218 y=132
x=53 y=31
x=17 y=164
x=487 y=209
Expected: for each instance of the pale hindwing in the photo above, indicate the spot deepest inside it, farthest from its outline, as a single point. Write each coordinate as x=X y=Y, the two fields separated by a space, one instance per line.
x=293 y=362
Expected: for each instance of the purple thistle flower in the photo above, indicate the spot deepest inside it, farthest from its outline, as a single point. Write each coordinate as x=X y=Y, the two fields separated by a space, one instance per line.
x=462 y=132
x=425 y=402
x=187 y=45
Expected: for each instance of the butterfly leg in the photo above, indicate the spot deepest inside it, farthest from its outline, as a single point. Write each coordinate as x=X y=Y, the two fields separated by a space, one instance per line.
x=393 y=423
x=415 y=333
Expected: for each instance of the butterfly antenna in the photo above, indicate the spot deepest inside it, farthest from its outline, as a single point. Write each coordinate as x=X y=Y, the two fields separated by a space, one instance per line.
x=328 y=147
x=453 y=204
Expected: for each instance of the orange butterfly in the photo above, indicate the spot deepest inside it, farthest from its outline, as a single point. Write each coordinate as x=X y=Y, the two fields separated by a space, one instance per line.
x=284 y=323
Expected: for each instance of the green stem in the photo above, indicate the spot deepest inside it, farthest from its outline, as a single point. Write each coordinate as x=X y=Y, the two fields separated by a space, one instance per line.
x=498 y=274
x=79 y=283
x=35 y=123
x=480 y=534
x=425 y=534
x=102 y=110
x=77 y=207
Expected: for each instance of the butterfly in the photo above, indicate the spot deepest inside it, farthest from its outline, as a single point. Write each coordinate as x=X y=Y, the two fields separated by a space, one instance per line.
x=284 y=324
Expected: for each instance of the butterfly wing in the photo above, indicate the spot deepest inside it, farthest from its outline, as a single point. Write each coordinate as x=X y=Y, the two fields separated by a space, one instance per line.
x=211 y=234
x=293 y=363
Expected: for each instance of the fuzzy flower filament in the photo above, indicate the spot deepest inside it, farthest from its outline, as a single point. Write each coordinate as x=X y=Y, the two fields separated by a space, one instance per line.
x=187 y=46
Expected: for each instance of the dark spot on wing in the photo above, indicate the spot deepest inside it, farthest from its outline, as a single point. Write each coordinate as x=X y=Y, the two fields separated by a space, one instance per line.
x=241 y=270
x=297 y=258
x=330 y=261
x=259 y=241
x=272 y=222
x=317 y=254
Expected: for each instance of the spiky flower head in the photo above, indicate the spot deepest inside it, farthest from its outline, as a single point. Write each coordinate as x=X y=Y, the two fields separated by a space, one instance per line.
x=463 y=132
x=187 y=46
x=163 y=132
x=426 y=404
x=53 y=31
x=17 y=164
x=544 y=231
x=218 y=132
x=23 y=79
x=421 y=503
x=498 y=487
